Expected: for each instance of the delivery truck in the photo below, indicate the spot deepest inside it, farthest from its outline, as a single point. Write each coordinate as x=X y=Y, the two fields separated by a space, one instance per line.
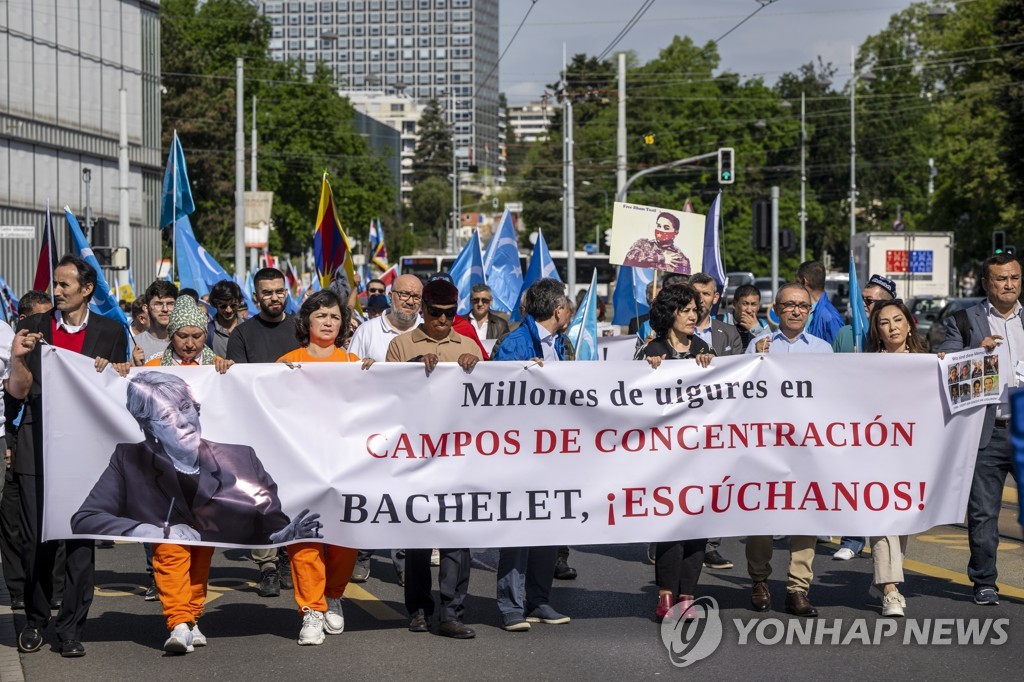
x=921 y=263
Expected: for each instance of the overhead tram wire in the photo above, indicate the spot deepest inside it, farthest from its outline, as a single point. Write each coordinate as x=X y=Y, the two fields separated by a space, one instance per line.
x=761 y=6
x=490 y=73
x=626 y=29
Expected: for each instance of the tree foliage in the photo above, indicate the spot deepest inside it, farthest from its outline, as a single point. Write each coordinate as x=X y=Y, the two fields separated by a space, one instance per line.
x=304 y=127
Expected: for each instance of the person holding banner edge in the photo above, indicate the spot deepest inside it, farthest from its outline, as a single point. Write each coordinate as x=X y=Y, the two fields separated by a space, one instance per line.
x=674 y=314
x=321 y=572
x=70 y=325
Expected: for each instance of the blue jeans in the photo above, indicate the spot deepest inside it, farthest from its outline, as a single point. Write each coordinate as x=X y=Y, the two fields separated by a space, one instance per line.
x=855 y=545
x=990 y=469
x=525 y=575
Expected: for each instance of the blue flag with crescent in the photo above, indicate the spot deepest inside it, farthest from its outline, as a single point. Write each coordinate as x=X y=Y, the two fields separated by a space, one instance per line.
x=467 y=270
x=541 y=266
x=502 y=269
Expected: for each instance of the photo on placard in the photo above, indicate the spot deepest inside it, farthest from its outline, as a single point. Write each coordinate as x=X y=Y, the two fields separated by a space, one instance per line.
x=965 y=392
x=991 y=385
x=977 y=370
x=657 y=238
x=954 y=374
x=976 y=388
x=991 y=365
x=954 y=394
x=965 y=370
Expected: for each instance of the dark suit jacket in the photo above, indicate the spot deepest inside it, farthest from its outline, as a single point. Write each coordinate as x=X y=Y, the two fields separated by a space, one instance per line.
x=978 y=317
x=236 y=502
x=725 y=339
x=104 y=338
x=496 y=326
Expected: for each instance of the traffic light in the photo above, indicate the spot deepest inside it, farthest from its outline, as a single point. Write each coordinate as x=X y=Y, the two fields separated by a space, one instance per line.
x=726 y=176
x=762 y=228
x=998 y=241
x=608 y=237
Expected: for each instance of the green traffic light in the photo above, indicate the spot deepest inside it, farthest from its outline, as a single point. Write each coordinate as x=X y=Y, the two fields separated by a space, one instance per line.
x=726 y=175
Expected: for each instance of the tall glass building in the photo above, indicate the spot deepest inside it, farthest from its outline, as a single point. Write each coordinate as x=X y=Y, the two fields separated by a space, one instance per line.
x=446 y=49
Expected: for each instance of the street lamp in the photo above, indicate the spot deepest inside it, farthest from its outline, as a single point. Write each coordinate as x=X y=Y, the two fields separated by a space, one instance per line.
x=867 y=76
x=87 y=179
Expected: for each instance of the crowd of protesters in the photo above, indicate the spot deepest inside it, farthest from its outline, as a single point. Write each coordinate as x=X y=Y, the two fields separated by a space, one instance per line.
x=417 y=321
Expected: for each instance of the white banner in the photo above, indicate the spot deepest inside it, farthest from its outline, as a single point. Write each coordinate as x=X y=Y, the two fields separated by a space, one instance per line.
x=510 y=454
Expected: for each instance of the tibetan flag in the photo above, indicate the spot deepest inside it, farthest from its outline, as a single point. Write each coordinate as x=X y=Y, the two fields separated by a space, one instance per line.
x=378 y=251
x=331 y=252
x=583 y=330
x=177 y=192
x=541 y=266
x=47 y=257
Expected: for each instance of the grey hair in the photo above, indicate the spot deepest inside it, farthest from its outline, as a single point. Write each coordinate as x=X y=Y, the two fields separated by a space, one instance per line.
x=792 y=285
x=544 y=297
x=147 y=387
x=478 y=287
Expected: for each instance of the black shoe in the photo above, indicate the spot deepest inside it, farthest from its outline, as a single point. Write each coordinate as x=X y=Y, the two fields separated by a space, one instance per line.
x=55 y=604
x=715 y=560
x=456 y=630
x=564 y=571
x=284 y=570
x=270 y=583
x=152 y=594
x=17 y=603
x=30 y=639
x=361 y=571
x=418 y=623
x=72 y=648
x=651 y=553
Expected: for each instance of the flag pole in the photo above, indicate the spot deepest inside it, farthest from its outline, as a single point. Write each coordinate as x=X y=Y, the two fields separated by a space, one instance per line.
x=174 y=208
x=49 y=249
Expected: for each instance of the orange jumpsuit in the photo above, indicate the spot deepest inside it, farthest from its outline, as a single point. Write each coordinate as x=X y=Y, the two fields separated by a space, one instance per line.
x=319 y=570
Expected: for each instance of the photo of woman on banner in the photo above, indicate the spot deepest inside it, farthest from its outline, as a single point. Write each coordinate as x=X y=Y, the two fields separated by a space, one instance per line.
x=175 y=485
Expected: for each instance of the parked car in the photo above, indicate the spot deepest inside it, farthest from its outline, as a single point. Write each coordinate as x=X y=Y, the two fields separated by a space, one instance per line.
x=764 y=285
x=926 y=310
x=734 y=280
x=937 y=332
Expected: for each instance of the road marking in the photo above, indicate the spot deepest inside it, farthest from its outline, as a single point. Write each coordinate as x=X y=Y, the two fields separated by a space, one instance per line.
x=958 y=577
x=371 y=604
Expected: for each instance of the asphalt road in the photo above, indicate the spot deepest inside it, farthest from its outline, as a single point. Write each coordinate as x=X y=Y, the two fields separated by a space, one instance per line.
x=612 y=634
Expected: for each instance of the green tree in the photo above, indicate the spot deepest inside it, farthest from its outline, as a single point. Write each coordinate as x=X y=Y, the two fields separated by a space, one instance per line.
x=433 y=155
x=430 y=207
x=1009 y=33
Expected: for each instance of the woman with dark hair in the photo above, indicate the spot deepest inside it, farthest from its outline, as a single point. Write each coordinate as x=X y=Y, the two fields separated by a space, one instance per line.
x=321 y=572
x=892 y=330
x=674 y=314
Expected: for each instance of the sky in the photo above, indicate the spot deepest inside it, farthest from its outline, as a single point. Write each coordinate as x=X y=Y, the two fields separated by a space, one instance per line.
x=779 y=38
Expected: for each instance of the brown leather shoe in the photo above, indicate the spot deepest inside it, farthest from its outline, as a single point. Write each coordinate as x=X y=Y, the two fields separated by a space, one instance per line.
x=760 y=597
x=798 y=604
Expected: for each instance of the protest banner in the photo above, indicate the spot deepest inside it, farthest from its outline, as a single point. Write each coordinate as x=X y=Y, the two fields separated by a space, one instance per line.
x=510 y=454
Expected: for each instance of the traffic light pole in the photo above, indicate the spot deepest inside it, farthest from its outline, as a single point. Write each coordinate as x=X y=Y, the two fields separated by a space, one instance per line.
x=621 y=194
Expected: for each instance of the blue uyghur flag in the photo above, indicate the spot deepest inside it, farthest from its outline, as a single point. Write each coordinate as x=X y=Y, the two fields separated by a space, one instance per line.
x=712 y=263
x=104 y=301
x=630 y=298
x=541 y=266
x=245 y=284
x=583 y=330
x=177 y=194
x=467 y=270
x=502 y=270
x=197 y=269
x=860 y=317
x=1017 y=440
x=8 y=303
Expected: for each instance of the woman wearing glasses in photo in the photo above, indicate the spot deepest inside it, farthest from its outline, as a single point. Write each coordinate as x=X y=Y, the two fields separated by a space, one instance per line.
x=321 y=572
x=892 y=330
x=674 y=314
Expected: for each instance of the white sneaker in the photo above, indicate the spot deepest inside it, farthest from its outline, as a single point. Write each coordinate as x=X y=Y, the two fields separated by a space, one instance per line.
x=334 y=619
x=435 y=557
x=893 y=605
x=843 y=554
x=180 y=641
x=198 y=638
x=312 y=631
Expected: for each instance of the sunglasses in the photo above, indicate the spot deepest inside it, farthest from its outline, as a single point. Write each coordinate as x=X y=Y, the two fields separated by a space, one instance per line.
x=375 y=291
x=480 y=300
x=435 y=311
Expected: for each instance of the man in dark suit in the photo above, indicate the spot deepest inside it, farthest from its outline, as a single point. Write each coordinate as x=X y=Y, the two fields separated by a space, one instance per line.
x=487 y=324
x=993 y=322
x=70 y=326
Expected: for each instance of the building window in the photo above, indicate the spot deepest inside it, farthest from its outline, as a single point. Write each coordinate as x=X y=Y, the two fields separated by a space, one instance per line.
x=397 y=107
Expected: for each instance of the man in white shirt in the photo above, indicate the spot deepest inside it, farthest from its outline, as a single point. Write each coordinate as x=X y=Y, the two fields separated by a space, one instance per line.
x=160 y=297
x=372 y=338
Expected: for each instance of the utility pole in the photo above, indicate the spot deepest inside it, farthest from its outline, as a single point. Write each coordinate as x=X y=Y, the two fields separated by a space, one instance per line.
x=853 y=145
x=620 y=161
x=456 y=210
x=253 y=254
x=239 y=168
x=570 y=194
x=803 y=178
x=124 y=228
x=775 y=238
